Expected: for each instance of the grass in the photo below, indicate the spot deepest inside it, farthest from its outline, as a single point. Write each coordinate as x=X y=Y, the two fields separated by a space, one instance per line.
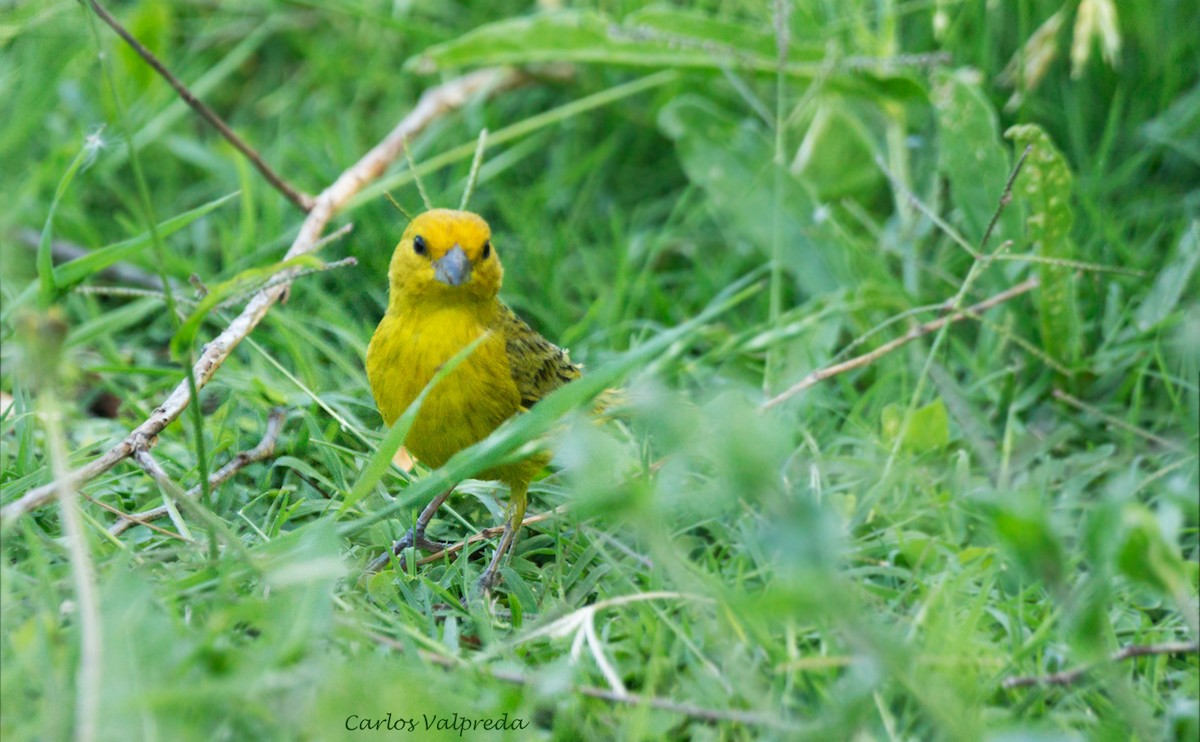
x=872 y=558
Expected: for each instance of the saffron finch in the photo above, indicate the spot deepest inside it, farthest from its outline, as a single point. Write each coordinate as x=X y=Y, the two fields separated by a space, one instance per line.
x=443 y=285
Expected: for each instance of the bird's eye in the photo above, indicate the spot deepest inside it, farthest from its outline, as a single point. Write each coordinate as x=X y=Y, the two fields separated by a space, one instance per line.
x=487 y=249
x=419 y=246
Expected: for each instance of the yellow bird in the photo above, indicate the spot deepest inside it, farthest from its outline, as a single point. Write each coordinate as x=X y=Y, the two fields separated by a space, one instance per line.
x=443 y=285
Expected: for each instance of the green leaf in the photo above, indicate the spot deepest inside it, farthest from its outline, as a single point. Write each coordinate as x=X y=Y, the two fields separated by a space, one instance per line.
x=928 y=428
x=1026 y=532
x=665 y=22
x=114 y=321
x=732 y=160
x=1045 y=183
x=659 y=36
x=1171 y=281
x=100 y=258
x=48 y=285
x=588 y=36
x=1145 y=555
x=971 y=155
x=837 y=156
x=240 y=283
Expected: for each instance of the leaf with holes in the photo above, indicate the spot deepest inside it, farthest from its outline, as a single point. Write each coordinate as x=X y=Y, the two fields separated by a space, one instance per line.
x=1045 y=184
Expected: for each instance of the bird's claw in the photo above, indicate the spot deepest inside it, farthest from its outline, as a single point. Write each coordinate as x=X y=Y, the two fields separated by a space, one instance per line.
x=488 y=580
x=429 y=545
x=405 y=542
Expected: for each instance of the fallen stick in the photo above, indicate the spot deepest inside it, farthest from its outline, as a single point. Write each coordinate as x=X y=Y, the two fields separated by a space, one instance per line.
x=920 y=330
x=1067 y=677
x=264 y=450
x=299 y=198
x=433 y=104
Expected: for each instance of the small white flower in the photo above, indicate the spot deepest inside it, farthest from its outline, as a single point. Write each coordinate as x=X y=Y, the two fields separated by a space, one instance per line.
x=92 y=144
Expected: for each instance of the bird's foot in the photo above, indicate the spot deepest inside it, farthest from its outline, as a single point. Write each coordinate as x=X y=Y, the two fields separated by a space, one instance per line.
x=429 y=545
x=488 y=580
x=405 y=542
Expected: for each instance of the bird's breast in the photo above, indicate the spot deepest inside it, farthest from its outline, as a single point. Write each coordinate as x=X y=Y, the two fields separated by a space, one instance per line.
x=405 y=353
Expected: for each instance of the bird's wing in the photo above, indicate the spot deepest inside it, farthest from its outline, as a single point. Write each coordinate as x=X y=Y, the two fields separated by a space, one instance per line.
x=538 y=365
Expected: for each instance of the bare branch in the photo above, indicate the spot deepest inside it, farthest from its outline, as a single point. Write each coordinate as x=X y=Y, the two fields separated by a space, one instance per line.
x=264 y=450
x=434 y=103
x=1067 y=677
x=920 y=330
x=150 y=465
x=301 y=199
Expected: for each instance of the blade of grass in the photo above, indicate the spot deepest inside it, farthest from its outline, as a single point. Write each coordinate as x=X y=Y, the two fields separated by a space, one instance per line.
x=48 y=286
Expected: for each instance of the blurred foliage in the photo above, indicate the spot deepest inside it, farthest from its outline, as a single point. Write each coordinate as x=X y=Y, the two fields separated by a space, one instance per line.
x=861 y=561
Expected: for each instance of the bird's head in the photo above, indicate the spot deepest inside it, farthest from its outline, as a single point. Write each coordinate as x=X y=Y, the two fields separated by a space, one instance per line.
x=445 y=256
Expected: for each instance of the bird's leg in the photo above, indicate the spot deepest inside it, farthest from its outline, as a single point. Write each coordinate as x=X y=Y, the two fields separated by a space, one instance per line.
x=516 y=517
x=418 y=531
x=415 y=536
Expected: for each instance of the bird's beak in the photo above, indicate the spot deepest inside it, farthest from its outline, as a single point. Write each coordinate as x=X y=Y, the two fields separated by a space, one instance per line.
x=453 y=268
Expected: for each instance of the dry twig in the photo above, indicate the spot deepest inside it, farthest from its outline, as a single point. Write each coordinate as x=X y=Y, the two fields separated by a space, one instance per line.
x=434 y=103
x=1067 y=677
x=264 y=450
x=920 y=330
x=301 y=199
x=136 y=519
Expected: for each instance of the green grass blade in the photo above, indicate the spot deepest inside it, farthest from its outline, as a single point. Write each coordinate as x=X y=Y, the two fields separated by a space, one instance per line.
x=97 y=260
x=48 y=286
x=100 y=258
x=1171 y=281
